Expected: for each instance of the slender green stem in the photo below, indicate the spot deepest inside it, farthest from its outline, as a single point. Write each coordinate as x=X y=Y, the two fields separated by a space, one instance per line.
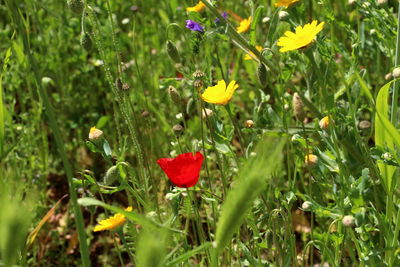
x=32 y=68
x=395 y=95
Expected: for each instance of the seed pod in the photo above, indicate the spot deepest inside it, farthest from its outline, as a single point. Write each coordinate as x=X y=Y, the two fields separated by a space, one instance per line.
x=198 y=84
x=173 y=52
x=174 y=95
x=76 y=6
x=298 y=107
x=86 y=41
x=178 y=130
x=111 y=176
x=249 y=123
x=262 y=74
x=198 y=74
x=396 y=73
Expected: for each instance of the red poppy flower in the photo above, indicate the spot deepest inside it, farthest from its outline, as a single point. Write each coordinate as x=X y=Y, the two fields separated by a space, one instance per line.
x=183 y=170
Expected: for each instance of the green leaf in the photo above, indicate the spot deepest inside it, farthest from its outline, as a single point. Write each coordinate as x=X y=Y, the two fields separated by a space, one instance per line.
x=151 y=248
x=364 y=88
x=385 y=133
x=251 y=182
x=2 y=128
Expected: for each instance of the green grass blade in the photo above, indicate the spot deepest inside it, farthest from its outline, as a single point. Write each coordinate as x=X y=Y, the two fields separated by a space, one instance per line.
x=189 y=254
x=384 y=136
x=2 y=128
x=151 y=248
x=251 y=182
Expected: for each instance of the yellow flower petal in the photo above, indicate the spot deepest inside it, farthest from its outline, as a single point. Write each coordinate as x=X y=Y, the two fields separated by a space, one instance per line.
x=219 y=94
x=197 y=8
x=302 y=36
x=244 y=25
x=285 y=3
x=112 y=222
x=250 y=55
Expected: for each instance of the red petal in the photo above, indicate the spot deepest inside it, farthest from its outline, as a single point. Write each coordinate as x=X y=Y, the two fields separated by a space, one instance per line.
x=183 y=170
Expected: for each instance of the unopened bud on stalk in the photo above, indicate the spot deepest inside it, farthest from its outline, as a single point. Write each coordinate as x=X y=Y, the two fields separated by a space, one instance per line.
x=381 y=2
x=283 y=15
x=111 y=176
x=306 y=205
x=86 y=41
x=311 y=160
x=262 y=74
x=95 y=134
x=173 y=52
x=324 y=123
x=178 y=129
x=348 y=221
x=76 y=6
x=298 y=107
x=396 y=73
x=388 y=76
x=249 y=124
x=174 y=95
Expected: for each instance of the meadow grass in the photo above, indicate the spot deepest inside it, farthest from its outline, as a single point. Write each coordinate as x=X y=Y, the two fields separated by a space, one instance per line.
x=297 y=166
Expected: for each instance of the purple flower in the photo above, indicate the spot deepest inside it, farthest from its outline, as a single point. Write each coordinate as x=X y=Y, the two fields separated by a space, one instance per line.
x=194 y=26
x=224 y=14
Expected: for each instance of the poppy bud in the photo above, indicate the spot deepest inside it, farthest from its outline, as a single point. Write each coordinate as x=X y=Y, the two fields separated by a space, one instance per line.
x=111 y=176
x=306 y=205
x=173 y=52
x=249 y=124
x=324 y=123
x=364 y=125
x=348 y=221
x=178 y=129
x=118 y=83
x=76 y=6
x=86 y=41
x=262 y=74
x=396 y=73
x=311 y=160
x=95 y=134
x=298 y=107
x=174 y=95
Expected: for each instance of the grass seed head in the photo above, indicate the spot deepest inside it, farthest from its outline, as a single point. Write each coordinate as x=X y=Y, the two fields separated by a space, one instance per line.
x=173 y=52
x=76 y=6
x=174 y=95
x=298 y=107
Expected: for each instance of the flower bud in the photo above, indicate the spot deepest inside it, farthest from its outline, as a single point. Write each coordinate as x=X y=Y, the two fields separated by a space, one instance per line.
x=76 y=6
x=388 y=76
x=348 y=221
x=311 y=160
x=86 y=41
x=381 y=2
x=111 y=176
x=364 y=125
x=174 y=95
x=178 y=129
x=298 y=107
x=324 y=123
x=396 y=73
x=249 y=124
x=262 y=74
x=283 y=15
x=198 y=84
x=306 y=205
x=95 y=134
x=173 y=52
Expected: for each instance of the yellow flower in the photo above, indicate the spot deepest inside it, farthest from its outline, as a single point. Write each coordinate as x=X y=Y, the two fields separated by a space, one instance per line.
x=95 y=133
x=220 y=94
x=244 y=25
x=301 y=38
x=112 y=222
x=324 y=123
x=285 y=3
x=197 y=8
x=251 y=55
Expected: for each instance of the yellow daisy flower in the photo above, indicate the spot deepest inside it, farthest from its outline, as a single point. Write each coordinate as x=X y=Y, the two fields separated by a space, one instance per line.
x=219 y=94
x=250 y=55
x=112 y=222
x=301 y=38
x=197 y=8
x=285 y=3
x=244 y=25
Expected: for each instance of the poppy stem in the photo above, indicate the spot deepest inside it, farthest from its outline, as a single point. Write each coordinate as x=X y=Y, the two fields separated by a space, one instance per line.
x=235 y=125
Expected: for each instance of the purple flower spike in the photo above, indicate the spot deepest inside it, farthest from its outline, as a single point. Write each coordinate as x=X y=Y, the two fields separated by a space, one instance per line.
x=194 y=26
